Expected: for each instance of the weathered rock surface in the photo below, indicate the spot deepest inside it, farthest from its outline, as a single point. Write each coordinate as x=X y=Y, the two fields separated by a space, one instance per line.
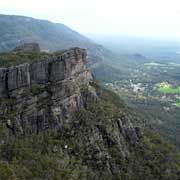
x=36 y=97
x=40 y=96
x=27 y=47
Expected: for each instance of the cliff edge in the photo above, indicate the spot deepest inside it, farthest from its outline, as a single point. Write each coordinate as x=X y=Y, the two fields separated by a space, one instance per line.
x=41 y=95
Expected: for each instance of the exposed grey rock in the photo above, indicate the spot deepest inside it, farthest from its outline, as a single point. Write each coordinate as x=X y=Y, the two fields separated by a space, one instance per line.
x=42 y=95
x=3 y=72
x=18 y=76
x=128 y=131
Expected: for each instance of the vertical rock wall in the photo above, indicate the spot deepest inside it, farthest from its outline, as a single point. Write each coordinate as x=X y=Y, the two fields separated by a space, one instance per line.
x=40 y=96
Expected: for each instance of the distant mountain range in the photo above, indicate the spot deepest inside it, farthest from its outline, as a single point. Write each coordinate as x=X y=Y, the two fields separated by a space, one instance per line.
x=51 y=36
x=16 y=30
x=105 y=65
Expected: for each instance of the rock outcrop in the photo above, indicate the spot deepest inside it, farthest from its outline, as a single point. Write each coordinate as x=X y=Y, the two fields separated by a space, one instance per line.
x=40 y=96
x=27 y=48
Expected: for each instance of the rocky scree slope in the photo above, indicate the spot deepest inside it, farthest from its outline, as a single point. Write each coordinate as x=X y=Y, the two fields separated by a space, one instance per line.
x=56 y=122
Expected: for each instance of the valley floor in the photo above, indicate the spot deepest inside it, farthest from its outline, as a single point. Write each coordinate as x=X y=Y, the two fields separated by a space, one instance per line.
x=153 y=90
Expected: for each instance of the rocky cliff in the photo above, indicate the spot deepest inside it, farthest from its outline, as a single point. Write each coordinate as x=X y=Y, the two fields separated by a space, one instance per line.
x=56 y=122
x=39 y=96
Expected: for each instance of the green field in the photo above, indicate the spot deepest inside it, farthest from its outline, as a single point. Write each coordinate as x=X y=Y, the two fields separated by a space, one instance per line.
x=177 y=103
x=167 y=89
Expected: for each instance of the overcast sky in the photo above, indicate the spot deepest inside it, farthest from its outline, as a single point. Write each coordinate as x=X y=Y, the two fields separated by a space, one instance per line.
x=113 y=17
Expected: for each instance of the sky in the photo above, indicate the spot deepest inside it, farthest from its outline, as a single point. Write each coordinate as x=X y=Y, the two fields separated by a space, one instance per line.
x=150 y=18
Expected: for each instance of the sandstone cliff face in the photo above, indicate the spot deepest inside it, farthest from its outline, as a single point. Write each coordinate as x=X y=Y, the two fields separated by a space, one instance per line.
x=42 y=95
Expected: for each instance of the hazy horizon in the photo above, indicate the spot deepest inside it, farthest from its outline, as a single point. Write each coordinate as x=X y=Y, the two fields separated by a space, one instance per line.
x=156 y=18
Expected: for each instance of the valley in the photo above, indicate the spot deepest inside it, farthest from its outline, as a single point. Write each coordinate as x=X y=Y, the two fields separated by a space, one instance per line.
x=153 y=90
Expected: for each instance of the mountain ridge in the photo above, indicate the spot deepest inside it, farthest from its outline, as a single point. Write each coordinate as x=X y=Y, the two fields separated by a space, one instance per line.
x=17 y=30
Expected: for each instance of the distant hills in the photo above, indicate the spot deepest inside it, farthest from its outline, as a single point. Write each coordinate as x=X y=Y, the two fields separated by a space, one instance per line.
x=51 y=36
x=16 y=30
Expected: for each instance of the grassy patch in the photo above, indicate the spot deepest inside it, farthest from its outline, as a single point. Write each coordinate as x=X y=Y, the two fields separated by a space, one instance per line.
x=167 y=89
x=177 y=103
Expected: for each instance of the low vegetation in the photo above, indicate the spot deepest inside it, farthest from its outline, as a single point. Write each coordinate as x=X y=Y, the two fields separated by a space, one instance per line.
x=153 y=90
x=11 y=58
x=69 y=154
x=166 y=88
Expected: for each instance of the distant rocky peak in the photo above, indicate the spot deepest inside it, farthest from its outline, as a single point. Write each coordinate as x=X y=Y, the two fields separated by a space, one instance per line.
x=27 y=48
